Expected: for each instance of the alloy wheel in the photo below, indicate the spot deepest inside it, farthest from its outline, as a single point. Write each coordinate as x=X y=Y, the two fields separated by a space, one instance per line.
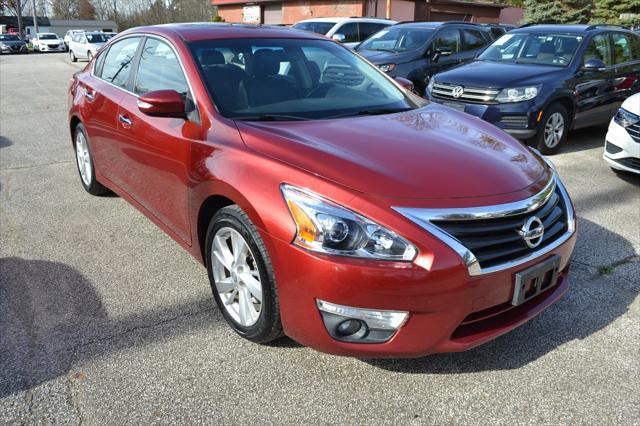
x=554 y=130
x=83 y=157
x=236 y=276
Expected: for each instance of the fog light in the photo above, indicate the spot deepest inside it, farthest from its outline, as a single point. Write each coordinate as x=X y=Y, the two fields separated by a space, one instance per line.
x=358 y=325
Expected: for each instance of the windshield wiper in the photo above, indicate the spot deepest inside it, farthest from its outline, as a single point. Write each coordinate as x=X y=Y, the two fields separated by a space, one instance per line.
x=378 y=111
x=379 y=50
x=272 y=117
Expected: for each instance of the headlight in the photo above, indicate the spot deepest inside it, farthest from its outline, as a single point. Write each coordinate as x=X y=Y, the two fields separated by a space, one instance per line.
x=626 y=118
x=387 y=67
x=3 y=46
x=518 y=94
x=432 y=81
x=325 y=227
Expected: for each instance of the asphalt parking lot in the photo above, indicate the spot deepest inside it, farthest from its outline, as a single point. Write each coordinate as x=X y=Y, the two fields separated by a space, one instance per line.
x=104 y=319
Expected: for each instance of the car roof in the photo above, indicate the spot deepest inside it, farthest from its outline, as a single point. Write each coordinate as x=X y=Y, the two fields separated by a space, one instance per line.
x=566 y=29
x=208 y=31
x=351 y=18
x=428 y=24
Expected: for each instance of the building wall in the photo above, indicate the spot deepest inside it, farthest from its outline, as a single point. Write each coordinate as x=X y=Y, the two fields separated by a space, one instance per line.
x=297 y=10
x=511 y=15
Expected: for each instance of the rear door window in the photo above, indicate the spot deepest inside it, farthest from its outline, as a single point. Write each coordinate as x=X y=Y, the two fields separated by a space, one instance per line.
x=119 y=61
x=621 y=48
x=473 y=39
x=367 y=29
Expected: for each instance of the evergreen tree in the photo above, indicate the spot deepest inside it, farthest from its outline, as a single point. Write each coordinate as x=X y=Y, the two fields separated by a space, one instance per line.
x=558 y=12
x=611 y=10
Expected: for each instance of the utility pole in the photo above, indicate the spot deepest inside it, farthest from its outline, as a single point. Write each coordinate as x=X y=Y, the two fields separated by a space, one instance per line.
x=19 y=15
x=388 y=9
x=35 y=17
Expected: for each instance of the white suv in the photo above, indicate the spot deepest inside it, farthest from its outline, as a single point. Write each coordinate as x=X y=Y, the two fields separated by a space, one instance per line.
x=85 y=45
x=69 y=35
x=622 y=148
x=350 y=31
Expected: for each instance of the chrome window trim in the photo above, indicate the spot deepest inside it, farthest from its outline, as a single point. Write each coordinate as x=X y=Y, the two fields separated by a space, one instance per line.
x=425 y=218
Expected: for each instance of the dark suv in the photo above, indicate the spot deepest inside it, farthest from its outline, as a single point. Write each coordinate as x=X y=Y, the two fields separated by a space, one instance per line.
x=538 y=82
x=418 y=50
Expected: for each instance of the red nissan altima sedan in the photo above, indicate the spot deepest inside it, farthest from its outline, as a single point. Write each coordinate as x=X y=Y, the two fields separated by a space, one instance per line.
x=326 y=201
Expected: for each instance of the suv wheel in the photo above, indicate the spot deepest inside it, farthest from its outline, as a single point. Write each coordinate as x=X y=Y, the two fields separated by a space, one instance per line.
x=241 y=276
x=72 y=56
x=553 y=131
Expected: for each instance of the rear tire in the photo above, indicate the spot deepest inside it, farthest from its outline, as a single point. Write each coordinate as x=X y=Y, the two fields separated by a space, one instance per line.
x=89 y=56
x=240 y=271
x=84 y=163
x=553 y=130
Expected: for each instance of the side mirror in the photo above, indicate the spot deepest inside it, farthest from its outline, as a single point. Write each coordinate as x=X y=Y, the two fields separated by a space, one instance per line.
x=441 y=51
x=162 y=103
x=406 y=84
x=594 y=64
x=339 y=37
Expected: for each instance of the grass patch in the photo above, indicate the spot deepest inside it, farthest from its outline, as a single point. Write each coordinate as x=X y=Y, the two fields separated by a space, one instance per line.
x=606 y=270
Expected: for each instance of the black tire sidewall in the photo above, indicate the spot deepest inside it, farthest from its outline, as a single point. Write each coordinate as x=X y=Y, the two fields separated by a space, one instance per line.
x=269 y=319
x=539 y=143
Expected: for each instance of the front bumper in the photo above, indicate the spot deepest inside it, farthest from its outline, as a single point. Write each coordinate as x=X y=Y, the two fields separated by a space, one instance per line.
x=621 y=151
x=44 y=48
x=449 y=310
x=14 y=49
x=519 y=119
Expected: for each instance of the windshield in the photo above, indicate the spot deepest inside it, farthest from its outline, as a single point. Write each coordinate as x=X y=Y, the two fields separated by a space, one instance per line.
x=96 y=38
x=397 y=39
x=541 y=49
x=7 y=37
x=271 y=79
x=316 y=27
x=47 y=36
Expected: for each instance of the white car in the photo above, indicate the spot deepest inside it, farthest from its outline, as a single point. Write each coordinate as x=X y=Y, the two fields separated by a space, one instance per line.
x=47 y=42
x=622 y=148
x=350 y=31
x=69 y=35
x=85 y=45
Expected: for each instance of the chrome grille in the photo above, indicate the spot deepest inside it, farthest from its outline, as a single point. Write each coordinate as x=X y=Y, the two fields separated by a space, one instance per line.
x=469 y=94
x=496 y=240
x=634 y=131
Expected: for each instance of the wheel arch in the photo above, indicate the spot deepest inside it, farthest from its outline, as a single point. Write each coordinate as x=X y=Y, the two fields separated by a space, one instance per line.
x=73 y=125
x=208 y=200
x=568 y=104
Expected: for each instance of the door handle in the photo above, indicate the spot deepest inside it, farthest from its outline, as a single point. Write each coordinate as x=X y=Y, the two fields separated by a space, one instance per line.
x=90 y=95
x=125 y=120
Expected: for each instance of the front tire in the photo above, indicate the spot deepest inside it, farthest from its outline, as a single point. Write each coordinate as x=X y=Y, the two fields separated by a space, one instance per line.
x=553 y=131
x=84 y=162
x=241 y=276
x=72 y=56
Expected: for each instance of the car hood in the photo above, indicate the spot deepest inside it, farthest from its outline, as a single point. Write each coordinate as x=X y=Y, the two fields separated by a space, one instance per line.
x=380 y=57
x=483 y=74
x=632 y=104
x=432 y=152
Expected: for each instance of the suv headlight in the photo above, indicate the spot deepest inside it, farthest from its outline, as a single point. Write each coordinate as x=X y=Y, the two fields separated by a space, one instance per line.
x=518 y=94
x=387 y=67
x=626 y=118
x=326 y=227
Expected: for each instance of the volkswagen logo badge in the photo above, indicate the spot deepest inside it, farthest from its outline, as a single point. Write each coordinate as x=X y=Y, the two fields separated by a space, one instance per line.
x=457 y=91
x=532 y=232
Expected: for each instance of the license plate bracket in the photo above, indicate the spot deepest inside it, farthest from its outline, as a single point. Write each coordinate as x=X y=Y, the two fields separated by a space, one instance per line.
x=536 y=279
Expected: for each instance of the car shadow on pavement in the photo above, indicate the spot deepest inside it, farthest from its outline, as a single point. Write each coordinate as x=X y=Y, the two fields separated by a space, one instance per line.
x=51 y=317
x=595 y=299
x=584 y=139
x=4 y=142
